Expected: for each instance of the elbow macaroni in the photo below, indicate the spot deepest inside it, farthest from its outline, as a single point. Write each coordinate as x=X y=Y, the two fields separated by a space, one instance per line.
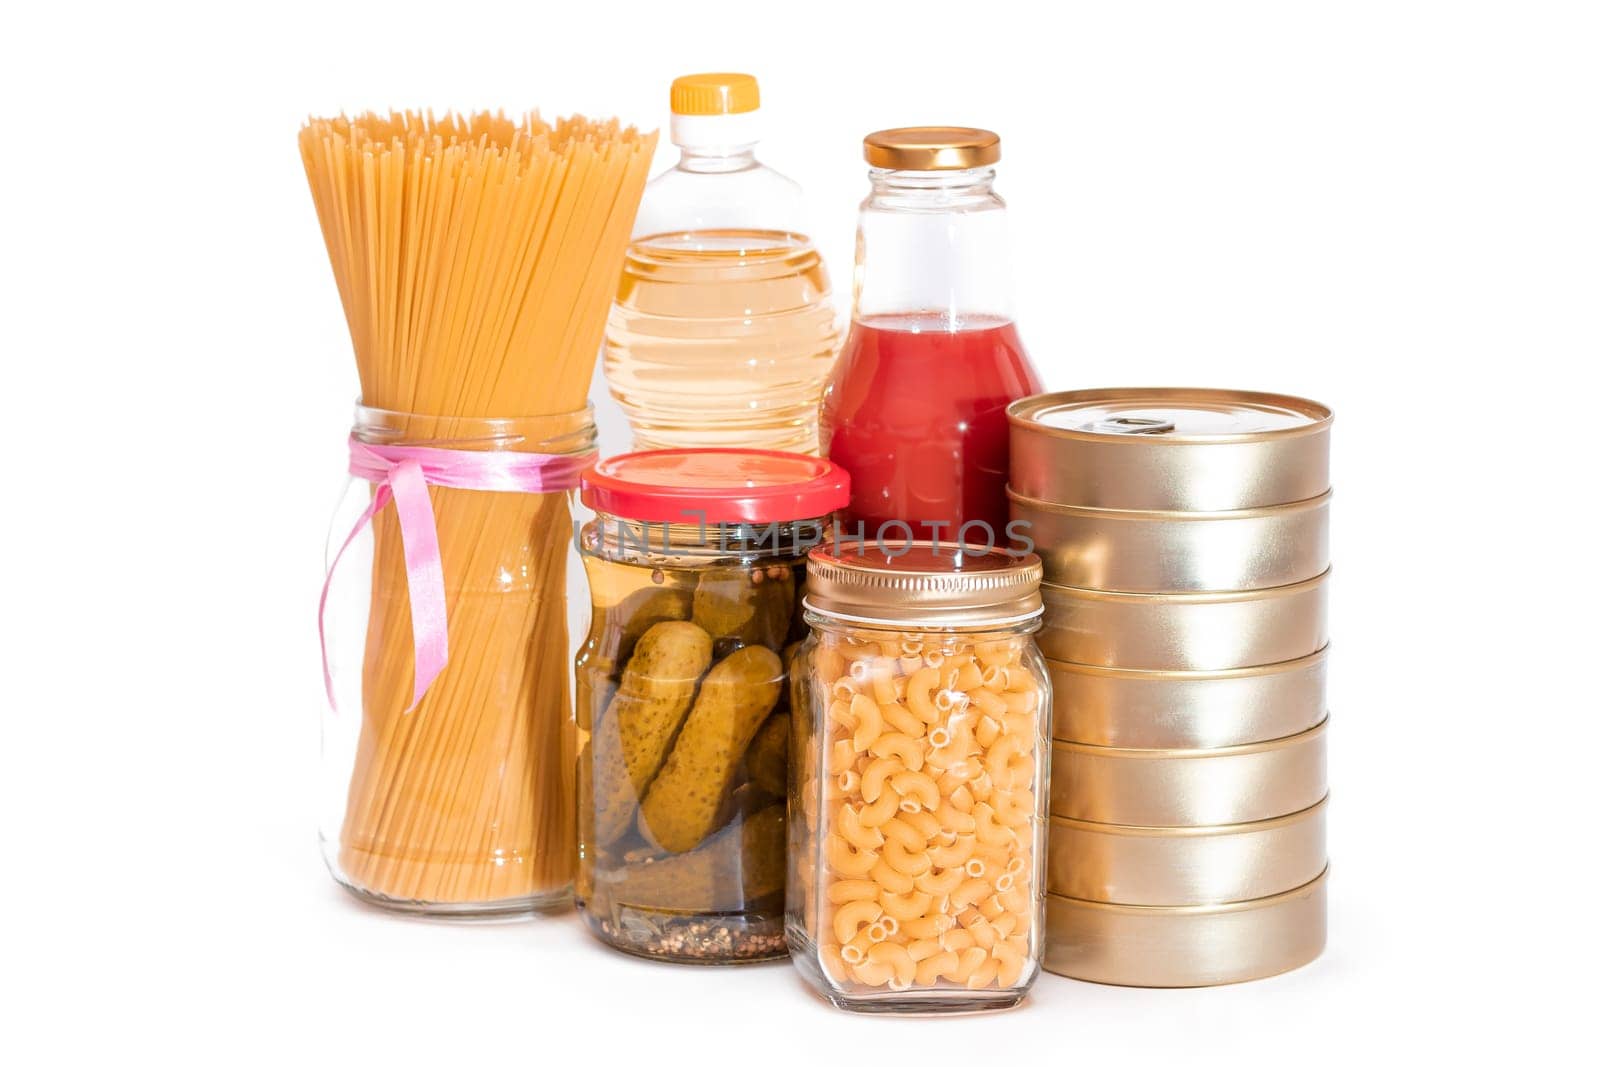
x=929 y=823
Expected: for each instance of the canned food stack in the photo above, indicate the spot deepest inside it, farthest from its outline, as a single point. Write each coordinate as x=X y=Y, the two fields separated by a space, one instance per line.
x=1184 y=536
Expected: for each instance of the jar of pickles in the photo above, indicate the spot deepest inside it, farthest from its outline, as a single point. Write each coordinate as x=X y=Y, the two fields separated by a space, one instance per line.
x=695 y=561
x=918 y=802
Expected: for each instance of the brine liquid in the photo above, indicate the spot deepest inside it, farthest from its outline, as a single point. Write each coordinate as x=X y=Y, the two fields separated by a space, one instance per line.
x=916 y=413
x=682 y=854
x=721 y=338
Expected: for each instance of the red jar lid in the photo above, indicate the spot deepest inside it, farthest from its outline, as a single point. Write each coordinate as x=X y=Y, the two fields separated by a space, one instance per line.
x=727 y=484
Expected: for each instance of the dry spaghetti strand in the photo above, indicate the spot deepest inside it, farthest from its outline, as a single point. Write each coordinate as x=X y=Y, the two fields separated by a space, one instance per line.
x=475 y=257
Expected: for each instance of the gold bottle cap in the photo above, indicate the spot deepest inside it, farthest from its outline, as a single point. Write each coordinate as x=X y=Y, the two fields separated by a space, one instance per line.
x=931 y=148
x=922 y=585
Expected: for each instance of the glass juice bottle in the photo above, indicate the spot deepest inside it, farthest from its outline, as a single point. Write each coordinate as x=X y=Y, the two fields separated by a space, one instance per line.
x=915 y=409
x=723 y=330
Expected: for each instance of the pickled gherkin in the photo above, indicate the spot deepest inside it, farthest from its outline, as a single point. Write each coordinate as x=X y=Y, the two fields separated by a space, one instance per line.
x=724 y=602
x=635 y=614
x=768 y=756
x=742 y=861
x=747 y=606
x=657 y=690
x=631 y=740
x=681 y=806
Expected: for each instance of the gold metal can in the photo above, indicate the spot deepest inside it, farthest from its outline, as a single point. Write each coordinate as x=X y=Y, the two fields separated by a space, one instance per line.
x=1189 y=787
x=1185 y=631
x=1169 y=449
x=1177 y=551
x=1180 y=867
x=1188 y=709
x=1211 y=944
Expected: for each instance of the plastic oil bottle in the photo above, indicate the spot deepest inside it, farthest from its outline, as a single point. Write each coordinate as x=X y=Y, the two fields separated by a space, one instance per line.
x=723 y=331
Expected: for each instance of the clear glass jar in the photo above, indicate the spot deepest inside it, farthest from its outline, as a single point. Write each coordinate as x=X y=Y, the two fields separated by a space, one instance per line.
x=915 y=407
x=463 y=804
x=918 y=801
x=696 y=568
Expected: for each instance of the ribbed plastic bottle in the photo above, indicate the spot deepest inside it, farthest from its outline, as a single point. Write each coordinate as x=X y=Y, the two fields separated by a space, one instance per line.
x=723 y=331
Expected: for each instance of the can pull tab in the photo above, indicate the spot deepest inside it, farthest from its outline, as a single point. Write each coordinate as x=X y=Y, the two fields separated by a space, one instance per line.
x=1132 y=424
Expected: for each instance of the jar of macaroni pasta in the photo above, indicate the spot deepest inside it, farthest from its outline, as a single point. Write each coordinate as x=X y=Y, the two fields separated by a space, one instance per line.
x=695 y=560
x=918 y=795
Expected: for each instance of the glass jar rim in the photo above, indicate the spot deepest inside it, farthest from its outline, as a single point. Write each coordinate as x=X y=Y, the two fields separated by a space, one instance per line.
x=908 y=178
x=1030 y=622
x=559 y=433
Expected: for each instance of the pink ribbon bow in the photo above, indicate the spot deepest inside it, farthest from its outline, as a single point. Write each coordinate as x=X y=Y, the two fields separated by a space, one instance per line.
x=403 y=473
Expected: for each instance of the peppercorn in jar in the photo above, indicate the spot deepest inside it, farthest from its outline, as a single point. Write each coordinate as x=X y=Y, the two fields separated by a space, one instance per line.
x=695 y=560
x=917 y=806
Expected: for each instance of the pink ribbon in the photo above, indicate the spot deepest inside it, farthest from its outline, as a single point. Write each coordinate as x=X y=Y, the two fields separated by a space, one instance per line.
x=403 y=473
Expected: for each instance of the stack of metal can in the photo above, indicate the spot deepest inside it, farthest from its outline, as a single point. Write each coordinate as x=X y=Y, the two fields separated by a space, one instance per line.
x=1184 y=534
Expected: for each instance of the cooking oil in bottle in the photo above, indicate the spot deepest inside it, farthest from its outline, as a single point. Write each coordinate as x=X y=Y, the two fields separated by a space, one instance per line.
x=723 y=332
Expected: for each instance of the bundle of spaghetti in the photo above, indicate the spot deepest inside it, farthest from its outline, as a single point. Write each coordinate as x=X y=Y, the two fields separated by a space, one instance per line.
x=476 y=257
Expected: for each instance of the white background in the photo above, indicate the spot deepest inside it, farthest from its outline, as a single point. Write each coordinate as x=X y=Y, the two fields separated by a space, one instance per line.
x=1390 y=207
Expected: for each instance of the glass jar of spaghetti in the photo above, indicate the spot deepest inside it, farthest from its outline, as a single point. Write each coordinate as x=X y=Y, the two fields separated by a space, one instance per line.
x=917 y=803
x=448 y=743
x=695 y=561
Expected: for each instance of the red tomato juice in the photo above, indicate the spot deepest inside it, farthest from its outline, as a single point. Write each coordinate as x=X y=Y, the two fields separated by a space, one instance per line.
x=916 y=413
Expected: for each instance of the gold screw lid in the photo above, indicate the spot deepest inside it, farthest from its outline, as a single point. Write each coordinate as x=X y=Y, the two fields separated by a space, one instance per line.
x=931 y=148
x=922 y=585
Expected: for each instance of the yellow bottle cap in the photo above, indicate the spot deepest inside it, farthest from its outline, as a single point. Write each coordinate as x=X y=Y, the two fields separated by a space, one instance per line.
x=931 y=148
x=715 y=94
